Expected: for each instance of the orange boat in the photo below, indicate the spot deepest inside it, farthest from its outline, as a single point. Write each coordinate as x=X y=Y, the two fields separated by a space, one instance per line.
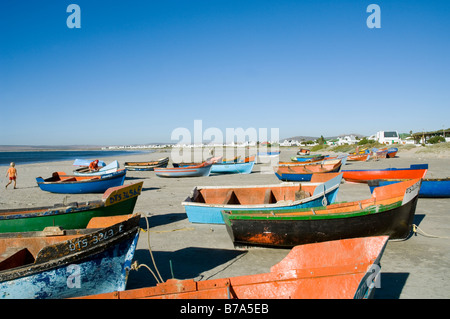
x=345 y=268
x=358 y=157
x=297 y=173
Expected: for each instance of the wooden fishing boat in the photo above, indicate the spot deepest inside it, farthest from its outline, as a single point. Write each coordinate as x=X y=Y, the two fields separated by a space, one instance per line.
x=110 y=168
x=343 y=269
x=304 y=151
x=62 y=183
x=304 y=173
x=359 y=157
x=119 y=200
x=59 y=263
x=431 y=187
x=203 y=169
x=390 y=211
x=211 y=160
x=307 y=158
x=231 y=160
x=391 y=152
x=146 y=166
x=379 y=153
x=233 y=168
x=328 y=160
x=362 y=176
x=206 y=203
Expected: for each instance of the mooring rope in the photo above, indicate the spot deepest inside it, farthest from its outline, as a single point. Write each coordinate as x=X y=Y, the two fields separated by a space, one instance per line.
x=416 y=228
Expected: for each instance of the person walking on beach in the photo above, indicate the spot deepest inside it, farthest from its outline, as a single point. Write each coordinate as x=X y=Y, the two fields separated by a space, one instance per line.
x=12 y=172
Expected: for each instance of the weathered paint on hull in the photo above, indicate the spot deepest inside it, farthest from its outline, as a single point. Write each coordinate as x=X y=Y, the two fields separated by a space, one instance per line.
x=233 y=168
x=70 y=219
x=431 y=188
x=93 y=186
x=289 y=232
x=104 y=272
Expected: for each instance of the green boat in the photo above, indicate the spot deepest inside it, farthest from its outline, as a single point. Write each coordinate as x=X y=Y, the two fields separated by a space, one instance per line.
x=118 y=200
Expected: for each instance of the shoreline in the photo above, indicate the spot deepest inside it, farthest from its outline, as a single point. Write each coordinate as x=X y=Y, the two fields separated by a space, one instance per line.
x=413 y=268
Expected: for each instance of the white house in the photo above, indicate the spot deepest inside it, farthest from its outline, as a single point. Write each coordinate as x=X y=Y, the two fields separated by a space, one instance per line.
x=388 y=137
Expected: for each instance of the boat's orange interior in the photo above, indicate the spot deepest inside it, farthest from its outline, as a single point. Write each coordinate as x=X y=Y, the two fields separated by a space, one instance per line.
x=252 y=195
x=306 y=169
x=63 y=177
x=332 y=269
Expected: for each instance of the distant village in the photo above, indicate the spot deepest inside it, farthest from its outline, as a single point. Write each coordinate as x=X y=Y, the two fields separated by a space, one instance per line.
x=383 y=137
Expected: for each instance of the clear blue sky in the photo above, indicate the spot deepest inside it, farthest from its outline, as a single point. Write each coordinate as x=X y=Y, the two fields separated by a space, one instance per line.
x=136 y=70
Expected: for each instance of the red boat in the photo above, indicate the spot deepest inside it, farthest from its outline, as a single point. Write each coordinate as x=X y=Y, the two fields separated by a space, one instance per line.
x=362 y=176
x=344 y=268
x=358 y=157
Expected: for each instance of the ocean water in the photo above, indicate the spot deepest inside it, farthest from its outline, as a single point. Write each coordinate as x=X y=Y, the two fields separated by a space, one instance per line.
x=29 y=157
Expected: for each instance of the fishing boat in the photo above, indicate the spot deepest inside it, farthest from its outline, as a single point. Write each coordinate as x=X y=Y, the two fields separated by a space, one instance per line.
x=62 y=183
x=308 y=158
x=344 y=269
x=56 y=263
x=328 y=160
x=185 y=164
x=390 y=212
x=110 y=168
x=364 y=175
x=233 y=168
x=203 y=169
x=305 y=172
x=379 y=153
x=304 y=151
x=391 y=152
x=206 y=203
x=146 y=166
x=431 y=187
x=119 y=200
x=358 y=157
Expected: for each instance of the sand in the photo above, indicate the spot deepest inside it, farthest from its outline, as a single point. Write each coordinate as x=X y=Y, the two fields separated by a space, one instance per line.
x=414 y=268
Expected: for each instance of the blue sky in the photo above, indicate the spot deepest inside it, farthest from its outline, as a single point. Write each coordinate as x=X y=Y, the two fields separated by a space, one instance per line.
x=137 y=70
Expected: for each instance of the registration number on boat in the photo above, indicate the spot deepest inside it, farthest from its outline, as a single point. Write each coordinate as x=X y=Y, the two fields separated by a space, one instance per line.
x=79 y=244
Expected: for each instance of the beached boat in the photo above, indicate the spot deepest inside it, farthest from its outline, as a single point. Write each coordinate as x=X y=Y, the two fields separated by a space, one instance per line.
x=391 y=152
x=233 y=168
x=62 y=183
x=59 y=263
x=146 y=166
x=343 y=269
x=206 y=203
x=304 y=151
x=110 y=168
x=203 y=169
x=115 y=201
x=358 y=157
x=364 y=175
x=308 y=158
x=185 y=164
x=328 y=160
x=431 y=187
x=390 y=211
x=304 y=173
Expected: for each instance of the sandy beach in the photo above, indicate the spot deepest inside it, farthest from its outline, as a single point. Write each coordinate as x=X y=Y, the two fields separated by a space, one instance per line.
x=413 y=268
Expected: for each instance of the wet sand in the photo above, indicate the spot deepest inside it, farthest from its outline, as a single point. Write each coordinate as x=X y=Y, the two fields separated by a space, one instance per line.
x=413 y=268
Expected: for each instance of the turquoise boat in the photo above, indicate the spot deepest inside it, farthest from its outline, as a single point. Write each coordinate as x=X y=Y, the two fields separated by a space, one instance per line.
x=56 y=263
x=233 y=168
x=205 y=204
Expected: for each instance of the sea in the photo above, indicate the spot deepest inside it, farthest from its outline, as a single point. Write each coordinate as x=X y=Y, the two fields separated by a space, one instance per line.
x=29 y=157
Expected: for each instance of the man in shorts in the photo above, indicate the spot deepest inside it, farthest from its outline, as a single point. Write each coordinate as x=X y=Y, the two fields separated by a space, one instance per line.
x=12 y=172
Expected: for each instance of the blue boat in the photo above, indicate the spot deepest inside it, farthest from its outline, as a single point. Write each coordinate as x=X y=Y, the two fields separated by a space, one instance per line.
x=233 y=168
x=73 y=184
x=55 y=263
x=205 y=204
x=431 y=187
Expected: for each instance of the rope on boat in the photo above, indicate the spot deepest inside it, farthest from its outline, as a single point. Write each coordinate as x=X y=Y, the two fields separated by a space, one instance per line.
x=135 y=265
x=416 y=228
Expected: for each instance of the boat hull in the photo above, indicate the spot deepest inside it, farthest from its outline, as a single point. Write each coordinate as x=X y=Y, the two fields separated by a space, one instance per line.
x=291 y=228
x=205 y=213
x=233 y=168
x=99 y=185
x=146 y=166
x=120 y=201
x=362 y=176
x=84 y=267
x=431 y=188
x=174 y=172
